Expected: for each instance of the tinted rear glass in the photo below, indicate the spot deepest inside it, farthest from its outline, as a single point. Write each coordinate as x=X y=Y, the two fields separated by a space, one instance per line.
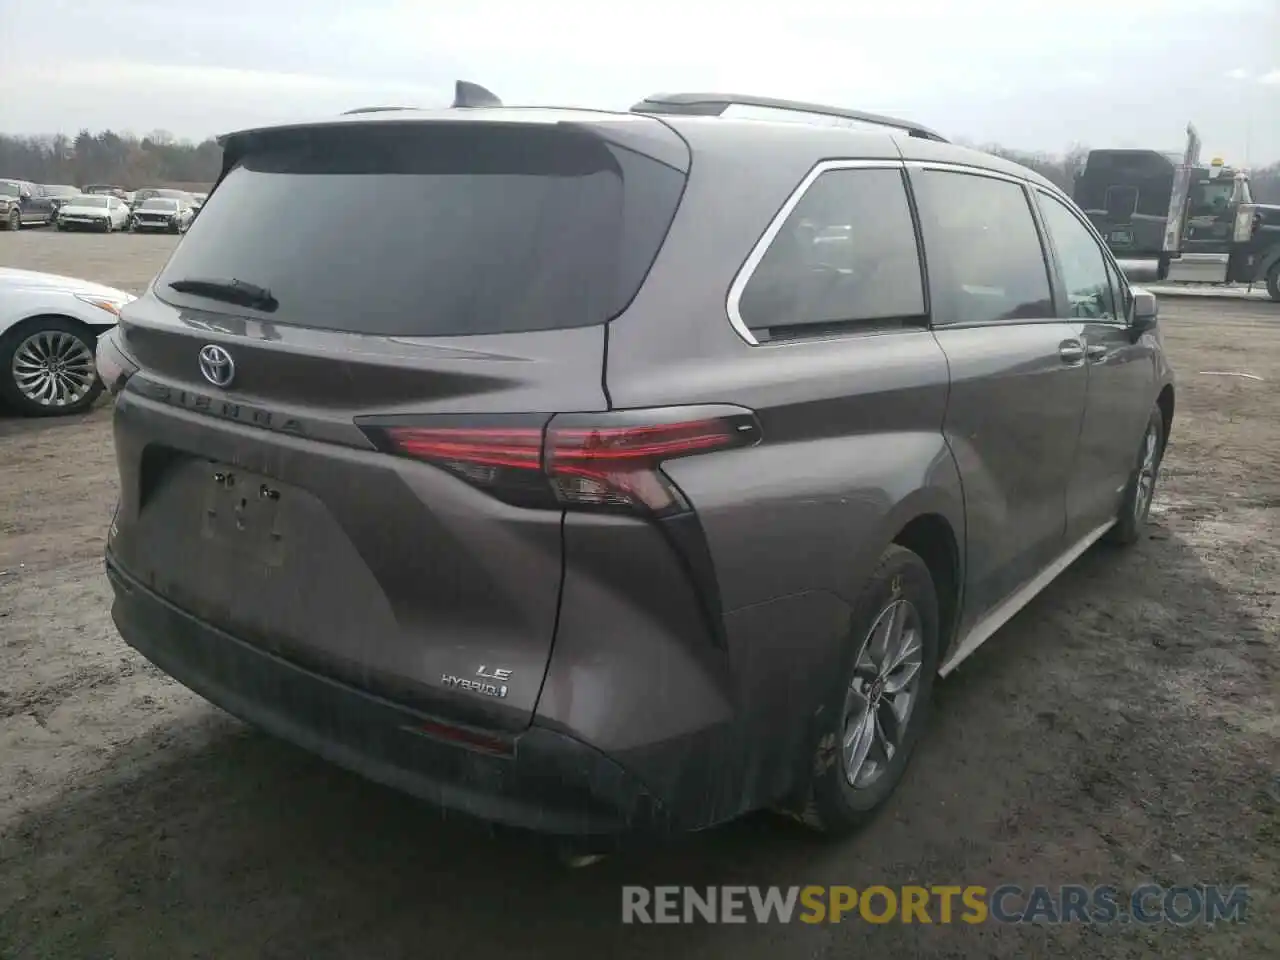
x=433 y=229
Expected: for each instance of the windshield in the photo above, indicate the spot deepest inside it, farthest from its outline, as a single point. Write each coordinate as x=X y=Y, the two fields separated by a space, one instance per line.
x=88 y=202
x=9 y=190
x=460 y=231
x=159 y=204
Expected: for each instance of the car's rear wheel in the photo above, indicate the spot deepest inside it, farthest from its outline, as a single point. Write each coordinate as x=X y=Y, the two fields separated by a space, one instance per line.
x=47 y=367
x=1138 y=494
x=1273 y=282
x=873 y=717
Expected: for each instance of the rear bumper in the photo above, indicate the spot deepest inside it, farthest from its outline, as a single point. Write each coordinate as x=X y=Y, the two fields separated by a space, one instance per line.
x=548 y=782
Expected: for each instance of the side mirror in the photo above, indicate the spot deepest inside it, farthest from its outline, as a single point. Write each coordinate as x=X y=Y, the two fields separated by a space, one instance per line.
x=1146 y=312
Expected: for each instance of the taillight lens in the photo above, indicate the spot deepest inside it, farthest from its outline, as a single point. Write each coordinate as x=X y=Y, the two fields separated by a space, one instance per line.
x=600 y=461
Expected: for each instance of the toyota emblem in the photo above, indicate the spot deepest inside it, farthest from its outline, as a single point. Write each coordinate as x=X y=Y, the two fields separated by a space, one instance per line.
x=216 y=365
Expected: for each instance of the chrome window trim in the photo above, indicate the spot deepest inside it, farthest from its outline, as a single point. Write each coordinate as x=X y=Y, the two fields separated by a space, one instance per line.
x=771 y=232
x=945 y=166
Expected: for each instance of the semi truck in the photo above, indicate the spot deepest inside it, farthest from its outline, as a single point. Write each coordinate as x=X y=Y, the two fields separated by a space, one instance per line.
x=1170 y=217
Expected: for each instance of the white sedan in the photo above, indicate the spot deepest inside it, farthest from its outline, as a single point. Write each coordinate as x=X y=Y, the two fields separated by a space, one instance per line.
x=49 y=327
x=91 y=211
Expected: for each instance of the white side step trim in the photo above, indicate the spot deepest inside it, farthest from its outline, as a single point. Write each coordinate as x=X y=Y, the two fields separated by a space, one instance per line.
x=998 y=617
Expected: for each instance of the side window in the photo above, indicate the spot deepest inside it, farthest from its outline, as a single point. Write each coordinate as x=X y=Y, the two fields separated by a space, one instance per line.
x=845 y=255
x=1120 y=294
x=1084 y=268
x=986 y=262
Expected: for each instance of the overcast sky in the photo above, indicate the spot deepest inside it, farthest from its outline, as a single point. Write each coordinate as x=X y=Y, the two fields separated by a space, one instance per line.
x=1027 y=74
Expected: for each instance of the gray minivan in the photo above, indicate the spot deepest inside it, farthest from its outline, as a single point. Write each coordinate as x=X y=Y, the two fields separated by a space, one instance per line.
x=594 y=472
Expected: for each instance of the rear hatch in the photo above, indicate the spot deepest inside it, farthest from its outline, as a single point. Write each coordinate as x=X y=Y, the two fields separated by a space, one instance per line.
x=345 y=279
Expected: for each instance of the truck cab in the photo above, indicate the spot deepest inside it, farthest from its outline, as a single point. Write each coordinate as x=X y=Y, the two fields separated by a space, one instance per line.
x=23 y=203
x=1197 y=222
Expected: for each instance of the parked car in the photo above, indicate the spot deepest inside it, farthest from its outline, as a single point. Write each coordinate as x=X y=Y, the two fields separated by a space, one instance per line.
x=162 y=213
x=94 y=212
x=151 y=193
x=595 y=493
x=49 y=327
x=23 y=203
x=60 y=193
x=106 y=189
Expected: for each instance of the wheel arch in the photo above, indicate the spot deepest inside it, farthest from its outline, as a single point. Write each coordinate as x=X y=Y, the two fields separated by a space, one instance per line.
x=1270 y=261
x=930 y=522
x=930 y=537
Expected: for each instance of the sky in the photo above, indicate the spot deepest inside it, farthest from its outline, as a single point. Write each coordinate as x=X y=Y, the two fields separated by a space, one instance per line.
x=1027 y=74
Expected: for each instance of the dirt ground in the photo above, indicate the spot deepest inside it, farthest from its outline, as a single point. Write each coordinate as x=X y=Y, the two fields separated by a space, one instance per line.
x=1122 y=729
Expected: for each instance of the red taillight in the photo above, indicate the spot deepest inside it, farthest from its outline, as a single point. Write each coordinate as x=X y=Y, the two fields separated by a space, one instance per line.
x=608 y=460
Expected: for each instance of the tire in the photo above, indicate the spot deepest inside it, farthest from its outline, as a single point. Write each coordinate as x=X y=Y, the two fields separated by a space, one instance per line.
x=15 y=221
x=110 y=227
x=1273 y=282
x=17 y=340
x=900 y=588
x=1135 y=506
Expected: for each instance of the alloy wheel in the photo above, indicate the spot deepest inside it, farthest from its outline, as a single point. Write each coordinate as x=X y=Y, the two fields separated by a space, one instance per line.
x=53 y=368
x=1147 y=474
x=882 y=693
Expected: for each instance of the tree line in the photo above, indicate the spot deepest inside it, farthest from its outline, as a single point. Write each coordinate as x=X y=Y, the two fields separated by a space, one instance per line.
x=121 y=159
x=158 y=158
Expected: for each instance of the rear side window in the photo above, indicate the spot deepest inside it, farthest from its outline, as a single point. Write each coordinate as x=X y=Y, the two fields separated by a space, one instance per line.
x=986 y=262
x=433 y=229
x=1121 y=202
x=846 y=255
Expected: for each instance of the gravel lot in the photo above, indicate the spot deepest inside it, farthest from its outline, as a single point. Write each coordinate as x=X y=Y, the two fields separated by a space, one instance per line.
x=1122 y=729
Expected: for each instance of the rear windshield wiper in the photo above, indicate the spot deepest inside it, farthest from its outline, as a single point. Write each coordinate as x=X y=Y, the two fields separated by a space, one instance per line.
x=230 y=291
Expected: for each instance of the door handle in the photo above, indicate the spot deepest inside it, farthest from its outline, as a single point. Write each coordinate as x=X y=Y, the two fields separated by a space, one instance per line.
x=1096 y=352
x=1071 y=351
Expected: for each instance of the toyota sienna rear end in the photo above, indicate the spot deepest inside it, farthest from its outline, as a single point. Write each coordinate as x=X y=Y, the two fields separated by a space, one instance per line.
x=353 y=410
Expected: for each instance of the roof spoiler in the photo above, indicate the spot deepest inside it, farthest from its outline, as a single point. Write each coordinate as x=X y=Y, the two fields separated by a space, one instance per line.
x=715 y=104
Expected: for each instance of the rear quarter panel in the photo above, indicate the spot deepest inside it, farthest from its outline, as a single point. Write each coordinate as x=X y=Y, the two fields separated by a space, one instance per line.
x=852 y=450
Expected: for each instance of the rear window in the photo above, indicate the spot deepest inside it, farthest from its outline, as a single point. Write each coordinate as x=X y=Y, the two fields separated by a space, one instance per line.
x=433 y=230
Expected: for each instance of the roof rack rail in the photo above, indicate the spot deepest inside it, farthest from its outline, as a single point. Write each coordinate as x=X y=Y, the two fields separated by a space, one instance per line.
x=715 y=104
x=347 y=113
